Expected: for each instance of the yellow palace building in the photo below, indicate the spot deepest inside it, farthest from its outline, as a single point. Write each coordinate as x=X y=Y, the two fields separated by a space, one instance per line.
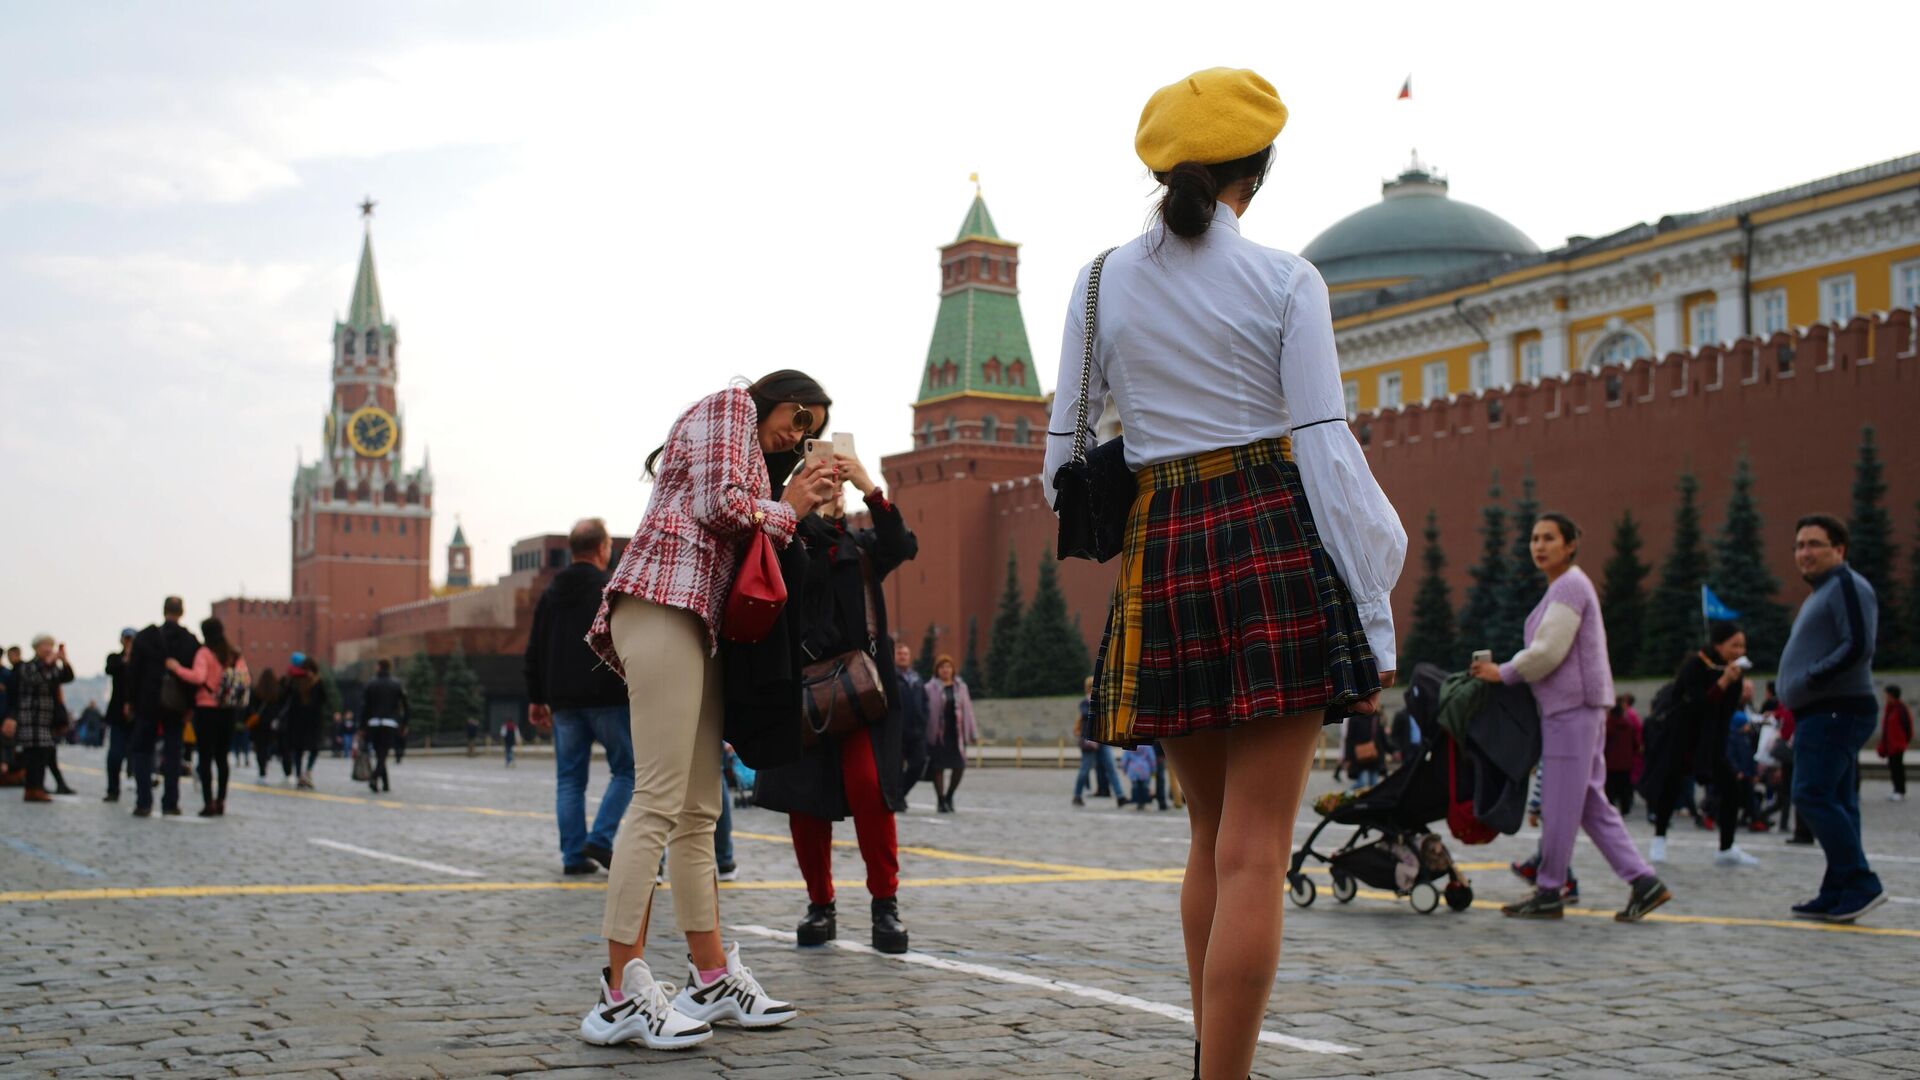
x=1434 y=297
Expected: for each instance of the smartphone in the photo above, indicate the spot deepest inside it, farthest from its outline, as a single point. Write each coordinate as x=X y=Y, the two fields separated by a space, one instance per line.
x=1744 y=664
x=818 y=452
x=843 y=443
x=1482 y=654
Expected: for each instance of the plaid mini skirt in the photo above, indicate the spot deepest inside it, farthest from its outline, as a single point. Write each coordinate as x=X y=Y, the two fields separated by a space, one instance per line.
x=1227 y=609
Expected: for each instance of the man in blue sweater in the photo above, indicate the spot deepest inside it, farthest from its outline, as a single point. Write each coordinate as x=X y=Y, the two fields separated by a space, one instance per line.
x=1826 y=678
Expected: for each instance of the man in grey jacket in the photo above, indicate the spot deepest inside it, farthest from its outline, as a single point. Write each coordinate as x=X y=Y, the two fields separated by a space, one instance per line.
x=1826 y=678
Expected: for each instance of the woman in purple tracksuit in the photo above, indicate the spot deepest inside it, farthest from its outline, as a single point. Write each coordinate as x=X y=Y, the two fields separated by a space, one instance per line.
x=1565 y=665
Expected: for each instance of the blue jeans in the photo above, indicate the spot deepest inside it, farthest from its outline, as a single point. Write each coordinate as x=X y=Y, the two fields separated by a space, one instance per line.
x=1100 y=757
x=574 y=733
x=1826 y=783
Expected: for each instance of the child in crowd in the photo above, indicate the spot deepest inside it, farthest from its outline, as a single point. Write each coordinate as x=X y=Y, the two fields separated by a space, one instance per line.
x=1139 y=764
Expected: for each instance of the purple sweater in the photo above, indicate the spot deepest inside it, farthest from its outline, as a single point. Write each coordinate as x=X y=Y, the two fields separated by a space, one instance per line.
x=1565 y=661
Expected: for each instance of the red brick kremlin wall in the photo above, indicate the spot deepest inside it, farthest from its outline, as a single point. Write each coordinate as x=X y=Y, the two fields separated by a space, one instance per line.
x=1602 y=442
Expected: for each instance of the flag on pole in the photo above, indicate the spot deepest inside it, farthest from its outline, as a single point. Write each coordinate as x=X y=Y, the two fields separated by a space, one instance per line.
x=1406 y=89
x=1713 y=609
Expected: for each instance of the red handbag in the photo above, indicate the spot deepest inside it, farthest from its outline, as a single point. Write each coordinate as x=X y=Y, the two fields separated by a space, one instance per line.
x=759 y=593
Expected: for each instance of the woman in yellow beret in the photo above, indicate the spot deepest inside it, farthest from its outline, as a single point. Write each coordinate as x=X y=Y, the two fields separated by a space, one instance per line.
x=1253 y=599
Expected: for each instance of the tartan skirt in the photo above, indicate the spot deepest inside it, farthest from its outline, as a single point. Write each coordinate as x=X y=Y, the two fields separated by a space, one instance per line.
x=1227 y=609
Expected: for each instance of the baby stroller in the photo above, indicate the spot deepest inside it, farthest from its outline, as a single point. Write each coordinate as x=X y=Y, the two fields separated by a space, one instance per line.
x=1391 y=847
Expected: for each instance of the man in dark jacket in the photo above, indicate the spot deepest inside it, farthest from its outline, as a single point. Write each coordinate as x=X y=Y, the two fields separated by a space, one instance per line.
x=152 y=722
x=119 y=713
x=383 y=715
x=581 y=700
x=913 y=706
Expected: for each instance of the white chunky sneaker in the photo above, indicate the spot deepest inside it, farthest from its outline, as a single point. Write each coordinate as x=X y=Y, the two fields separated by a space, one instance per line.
x=1657 y=851
x=735 y=997
x=1733 y=856
x=645 y=1012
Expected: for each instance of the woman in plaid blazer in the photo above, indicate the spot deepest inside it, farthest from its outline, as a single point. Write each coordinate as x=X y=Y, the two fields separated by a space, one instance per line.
x=719 y=478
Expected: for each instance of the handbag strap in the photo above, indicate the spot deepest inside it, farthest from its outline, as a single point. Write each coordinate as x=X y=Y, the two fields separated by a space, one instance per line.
x=1080 y=433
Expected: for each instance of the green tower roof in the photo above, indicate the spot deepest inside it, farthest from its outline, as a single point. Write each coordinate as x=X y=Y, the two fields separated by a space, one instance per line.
x=365 y=312
x=979 y=223
x=459 y=536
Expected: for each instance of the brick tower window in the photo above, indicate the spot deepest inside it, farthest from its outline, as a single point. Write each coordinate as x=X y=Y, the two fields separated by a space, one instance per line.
x=1017 y=373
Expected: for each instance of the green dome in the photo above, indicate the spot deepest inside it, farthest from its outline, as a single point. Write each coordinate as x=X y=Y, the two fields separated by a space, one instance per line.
x=1415 y=230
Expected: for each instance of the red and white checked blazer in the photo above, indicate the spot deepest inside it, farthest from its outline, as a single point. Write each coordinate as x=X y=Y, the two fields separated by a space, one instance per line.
x=711 y=492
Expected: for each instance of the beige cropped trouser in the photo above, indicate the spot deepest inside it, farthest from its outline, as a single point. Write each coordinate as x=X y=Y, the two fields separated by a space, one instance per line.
x=674 y=691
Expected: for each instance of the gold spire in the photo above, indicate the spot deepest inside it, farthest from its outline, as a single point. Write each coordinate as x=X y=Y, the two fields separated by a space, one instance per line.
x=975 y=177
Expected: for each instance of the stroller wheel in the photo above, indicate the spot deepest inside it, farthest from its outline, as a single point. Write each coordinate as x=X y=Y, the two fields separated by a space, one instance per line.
x=1424 y=898
x=1459 y=897
x=1300 y=890
x=1344 y=888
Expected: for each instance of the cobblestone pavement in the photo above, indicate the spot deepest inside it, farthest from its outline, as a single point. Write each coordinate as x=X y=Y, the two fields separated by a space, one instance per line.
x=277 y=942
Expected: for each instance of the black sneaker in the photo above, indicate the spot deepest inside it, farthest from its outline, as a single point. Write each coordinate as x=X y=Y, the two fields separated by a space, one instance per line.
x=574 y=869
x=1817 y=907
x=889 y=933
x=819 y=927
x=170 y=811
x=1538 y=906
x=1648 y=893
x=603 y=856
x=1851 y=906
x=112 y=796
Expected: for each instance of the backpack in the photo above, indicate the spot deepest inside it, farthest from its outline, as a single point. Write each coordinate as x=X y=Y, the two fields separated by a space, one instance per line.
x=236 y=687
x=1666 y=705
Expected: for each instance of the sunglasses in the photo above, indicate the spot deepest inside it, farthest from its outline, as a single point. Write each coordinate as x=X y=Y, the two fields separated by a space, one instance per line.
x=803 y=418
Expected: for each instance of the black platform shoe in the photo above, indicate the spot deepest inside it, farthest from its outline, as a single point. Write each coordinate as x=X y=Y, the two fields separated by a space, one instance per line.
x=819 y=926
x=889 y=933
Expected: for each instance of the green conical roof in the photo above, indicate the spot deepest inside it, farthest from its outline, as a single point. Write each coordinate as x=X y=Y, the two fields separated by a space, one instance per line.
x=979 y=222
x=981 y=334
x=365 y=312
x=459 y=537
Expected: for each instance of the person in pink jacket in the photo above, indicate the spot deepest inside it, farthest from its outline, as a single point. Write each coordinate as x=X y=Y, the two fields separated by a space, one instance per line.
x=221 y=687
x=950 y=729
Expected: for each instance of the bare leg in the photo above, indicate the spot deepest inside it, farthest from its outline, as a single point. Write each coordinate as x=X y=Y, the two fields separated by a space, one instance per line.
x=1199 y=763
x=1266 y=773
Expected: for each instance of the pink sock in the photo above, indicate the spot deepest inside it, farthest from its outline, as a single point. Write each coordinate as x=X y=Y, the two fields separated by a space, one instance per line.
x=707 y=976
x=614 y=996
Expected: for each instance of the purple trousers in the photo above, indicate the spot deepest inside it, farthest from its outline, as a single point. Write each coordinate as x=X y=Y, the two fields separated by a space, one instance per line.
x=1573 y=796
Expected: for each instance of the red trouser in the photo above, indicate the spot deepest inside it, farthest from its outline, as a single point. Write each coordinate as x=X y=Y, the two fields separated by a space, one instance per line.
x=872 y=822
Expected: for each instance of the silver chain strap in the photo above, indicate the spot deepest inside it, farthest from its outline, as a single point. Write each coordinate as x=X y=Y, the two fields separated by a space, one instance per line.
x=1080 y=433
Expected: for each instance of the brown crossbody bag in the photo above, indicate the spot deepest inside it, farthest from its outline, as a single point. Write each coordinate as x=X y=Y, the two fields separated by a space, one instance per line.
x=843 y=694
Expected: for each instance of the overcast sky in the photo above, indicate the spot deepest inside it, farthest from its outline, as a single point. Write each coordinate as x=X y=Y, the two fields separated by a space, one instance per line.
x=591 y=215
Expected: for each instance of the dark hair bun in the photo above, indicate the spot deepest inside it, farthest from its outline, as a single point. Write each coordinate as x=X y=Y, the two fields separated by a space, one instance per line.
x=1187 y=206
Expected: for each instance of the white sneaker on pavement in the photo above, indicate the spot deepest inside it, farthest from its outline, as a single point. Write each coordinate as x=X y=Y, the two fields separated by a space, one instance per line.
x=735 y=997
x=1657 y=851
x=1896 y=797
x=1733 y=856
x=645 y=1011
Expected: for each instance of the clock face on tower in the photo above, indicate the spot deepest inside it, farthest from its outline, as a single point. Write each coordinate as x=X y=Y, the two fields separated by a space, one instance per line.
x=371 y=431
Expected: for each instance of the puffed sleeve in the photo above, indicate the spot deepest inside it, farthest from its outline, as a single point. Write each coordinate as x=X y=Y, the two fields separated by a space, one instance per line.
x=1357 y=524
x=723 y=452
x=1066 y=387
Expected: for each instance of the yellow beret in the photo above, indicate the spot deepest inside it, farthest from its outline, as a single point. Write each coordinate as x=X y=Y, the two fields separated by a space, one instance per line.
x=1211 y=116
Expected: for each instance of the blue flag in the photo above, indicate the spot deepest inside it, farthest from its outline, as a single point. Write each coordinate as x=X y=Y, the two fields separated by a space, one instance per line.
x=1711 y=606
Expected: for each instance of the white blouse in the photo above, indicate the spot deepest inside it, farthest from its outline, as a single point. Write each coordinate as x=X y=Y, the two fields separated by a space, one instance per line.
x=1219 y=342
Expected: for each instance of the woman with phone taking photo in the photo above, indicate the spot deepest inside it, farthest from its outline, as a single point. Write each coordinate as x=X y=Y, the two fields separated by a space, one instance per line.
x=1565 y=664
x=717 y=481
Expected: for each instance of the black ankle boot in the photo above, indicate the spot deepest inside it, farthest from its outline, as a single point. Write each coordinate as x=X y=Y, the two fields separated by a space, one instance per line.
x=889 y=933
x=818 y=927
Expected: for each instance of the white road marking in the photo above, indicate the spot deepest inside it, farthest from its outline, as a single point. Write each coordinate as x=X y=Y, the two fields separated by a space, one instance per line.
x=60 y=861
x=1127 y=1001
x=438 y=868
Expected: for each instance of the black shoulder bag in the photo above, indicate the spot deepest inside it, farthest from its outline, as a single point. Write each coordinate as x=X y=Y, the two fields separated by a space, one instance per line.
x=1094 y=489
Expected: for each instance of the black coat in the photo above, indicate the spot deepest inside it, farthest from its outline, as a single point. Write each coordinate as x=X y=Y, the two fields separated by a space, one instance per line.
x=833 y=619
x=148 y=666
x=562 y=670
x=120 y=700
x=1694 y=735
x=761 y=681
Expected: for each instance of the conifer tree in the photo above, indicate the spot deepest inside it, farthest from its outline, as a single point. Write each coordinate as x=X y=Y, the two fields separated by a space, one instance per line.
x=423 y=703
x=1740 y=577
x=1526 y=584
x=970 y=667
x=1871 y=550
x=1910 y=623
x=461 y=696
x=1004 y=638
x=1049 y=658
x=924 y=665
x=1673 y=626
x=1480 y=619
x=1432 y=640
x=1623 y=604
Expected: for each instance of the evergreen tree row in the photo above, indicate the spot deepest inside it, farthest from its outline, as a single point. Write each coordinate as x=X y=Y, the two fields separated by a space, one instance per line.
x=1033 y=649
x=1649 y=632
